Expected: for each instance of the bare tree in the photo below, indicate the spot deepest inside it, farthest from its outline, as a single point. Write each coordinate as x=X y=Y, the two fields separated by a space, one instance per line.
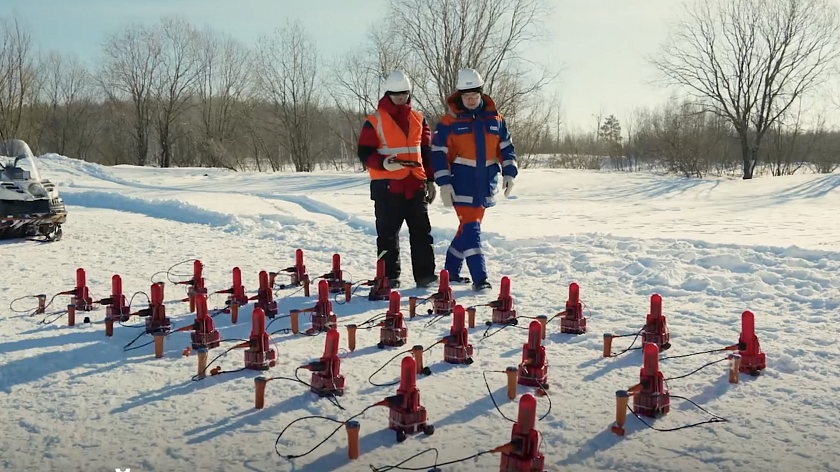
x=67 y=123
x=222 y=86
x=175 y=81
x=750 y=60
x=132 y=58
x=287 y=74
x=18 y=77
x=487 y=35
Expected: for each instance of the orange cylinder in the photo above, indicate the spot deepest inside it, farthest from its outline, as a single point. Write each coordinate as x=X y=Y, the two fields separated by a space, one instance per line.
x=348 y=291
x=42 y=300
x=417 y=352
x=162 y=286
x=259 y=396
x=306 y=287
x=293 y=319
x=412 y=307
x=622 y=397
x=191 y=296
x=109 y=327
x=608 y=344
x=512 y=373
x=202 y=362
x=351 y=337
x=352 y=439
x=234 y=311
x=543 y=321
x=734 y=368
x=471 y=316
x=272 y=276
x=159 y=345
x=71 y=315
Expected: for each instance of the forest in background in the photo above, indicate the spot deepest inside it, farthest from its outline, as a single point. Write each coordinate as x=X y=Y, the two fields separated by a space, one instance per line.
x=172 y=95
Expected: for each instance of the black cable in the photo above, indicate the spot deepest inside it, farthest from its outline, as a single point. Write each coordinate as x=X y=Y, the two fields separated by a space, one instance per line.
x=201 y=375
x=426 y=370
x=697 y=369
x=630 y=347
x=692 y=354
x=437 y=464
x=715 y=418
x=543 y=388
x=370 y=379
x=341 y=423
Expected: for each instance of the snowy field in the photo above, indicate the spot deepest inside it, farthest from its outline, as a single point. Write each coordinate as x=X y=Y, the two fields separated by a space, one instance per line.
x=74 y=400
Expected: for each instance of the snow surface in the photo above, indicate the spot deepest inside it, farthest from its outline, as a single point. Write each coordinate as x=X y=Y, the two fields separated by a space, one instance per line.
x=74 y=400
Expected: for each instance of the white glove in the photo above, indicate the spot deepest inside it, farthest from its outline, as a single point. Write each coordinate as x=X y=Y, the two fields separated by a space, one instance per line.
x=447 y=195
x=431 y=192
x=389 y=164
x=507 y=185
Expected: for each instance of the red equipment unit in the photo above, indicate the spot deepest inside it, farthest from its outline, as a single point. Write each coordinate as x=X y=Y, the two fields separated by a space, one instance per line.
x=323 y=318
x=157 y=322
x=204 y=334
x=458 y=349
x=392 y=331
x=381 y=289
x=237 y=290
x=117 y=308
x=407 y=415
x=326 y=378
x=443 y=302
x=265 y=297
x=335 y=277
x=526 y=455
x=656 y=327
x=573 y=321
x=503 y=311
x=533 y=371
x=651 y=399
x=753 y=360
x=81 y=295
x=197 y=286
x=260 y=355
x=298 y=274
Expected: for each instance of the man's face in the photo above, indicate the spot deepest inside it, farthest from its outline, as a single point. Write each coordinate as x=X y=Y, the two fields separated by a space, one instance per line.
x=399 y=98
x=471 y=99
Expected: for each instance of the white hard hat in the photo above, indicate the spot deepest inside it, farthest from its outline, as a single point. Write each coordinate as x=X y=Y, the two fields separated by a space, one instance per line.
x=397 y=81
x=469 y=79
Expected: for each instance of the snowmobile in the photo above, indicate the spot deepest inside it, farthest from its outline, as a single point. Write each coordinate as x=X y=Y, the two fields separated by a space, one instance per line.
x=30 y=207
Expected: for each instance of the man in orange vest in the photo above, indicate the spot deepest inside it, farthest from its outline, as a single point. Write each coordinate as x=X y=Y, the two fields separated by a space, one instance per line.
x=394 y=145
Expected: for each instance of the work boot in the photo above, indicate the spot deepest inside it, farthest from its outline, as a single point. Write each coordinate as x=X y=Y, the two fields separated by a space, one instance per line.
x=428 y=281
x=481 y=285
x=457 y=279
x=395 y=283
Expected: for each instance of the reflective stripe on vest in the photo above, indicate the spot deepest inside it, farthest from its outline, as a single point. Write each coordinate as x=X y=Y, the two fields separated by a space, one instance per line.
x=391 y=137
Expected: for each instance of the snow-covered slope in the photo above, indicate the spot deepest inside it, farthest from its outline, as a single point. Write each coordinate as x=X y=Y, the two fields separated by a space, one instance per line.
x=75 y=400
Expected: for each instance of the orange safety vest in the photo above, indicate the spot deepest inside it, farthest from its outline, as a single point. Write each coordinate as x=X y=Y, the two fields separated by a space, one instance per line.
x=392 y=141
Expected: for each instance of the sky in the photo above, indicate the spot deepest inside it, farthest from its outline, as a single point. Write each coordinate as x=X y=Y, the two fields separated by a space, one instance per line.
x=599 y=46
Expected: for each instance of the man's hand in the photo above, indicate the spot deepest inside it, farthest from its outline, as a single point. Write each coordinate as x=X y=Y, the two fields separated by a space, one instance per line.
x=507 y=185
x=389 y=164
x=431 y=192
x=447 y=195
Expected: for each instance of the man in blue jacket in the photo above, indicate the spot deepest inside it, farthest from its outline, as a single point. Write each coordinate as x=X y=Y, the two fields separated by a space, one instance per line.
x=471 y=150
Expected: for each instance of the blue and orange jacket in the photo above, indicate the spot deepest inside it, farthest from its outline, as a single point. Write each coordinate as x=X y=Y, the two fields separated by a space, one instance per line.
x=471 y=150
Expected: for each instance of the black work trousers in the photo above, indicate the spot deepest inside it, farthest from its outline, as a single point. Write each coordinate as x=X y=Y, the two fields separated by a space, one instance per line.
x=391 y=211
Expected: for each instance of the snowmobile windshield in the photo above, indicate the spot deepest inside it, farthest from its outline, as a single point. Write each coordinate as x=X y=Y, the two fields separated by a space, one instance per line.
x=17 y=161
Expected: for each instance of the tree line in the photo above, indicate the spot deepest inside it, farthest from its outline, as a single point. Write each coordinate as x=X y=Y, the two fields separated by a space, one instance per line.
x=170 y=94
